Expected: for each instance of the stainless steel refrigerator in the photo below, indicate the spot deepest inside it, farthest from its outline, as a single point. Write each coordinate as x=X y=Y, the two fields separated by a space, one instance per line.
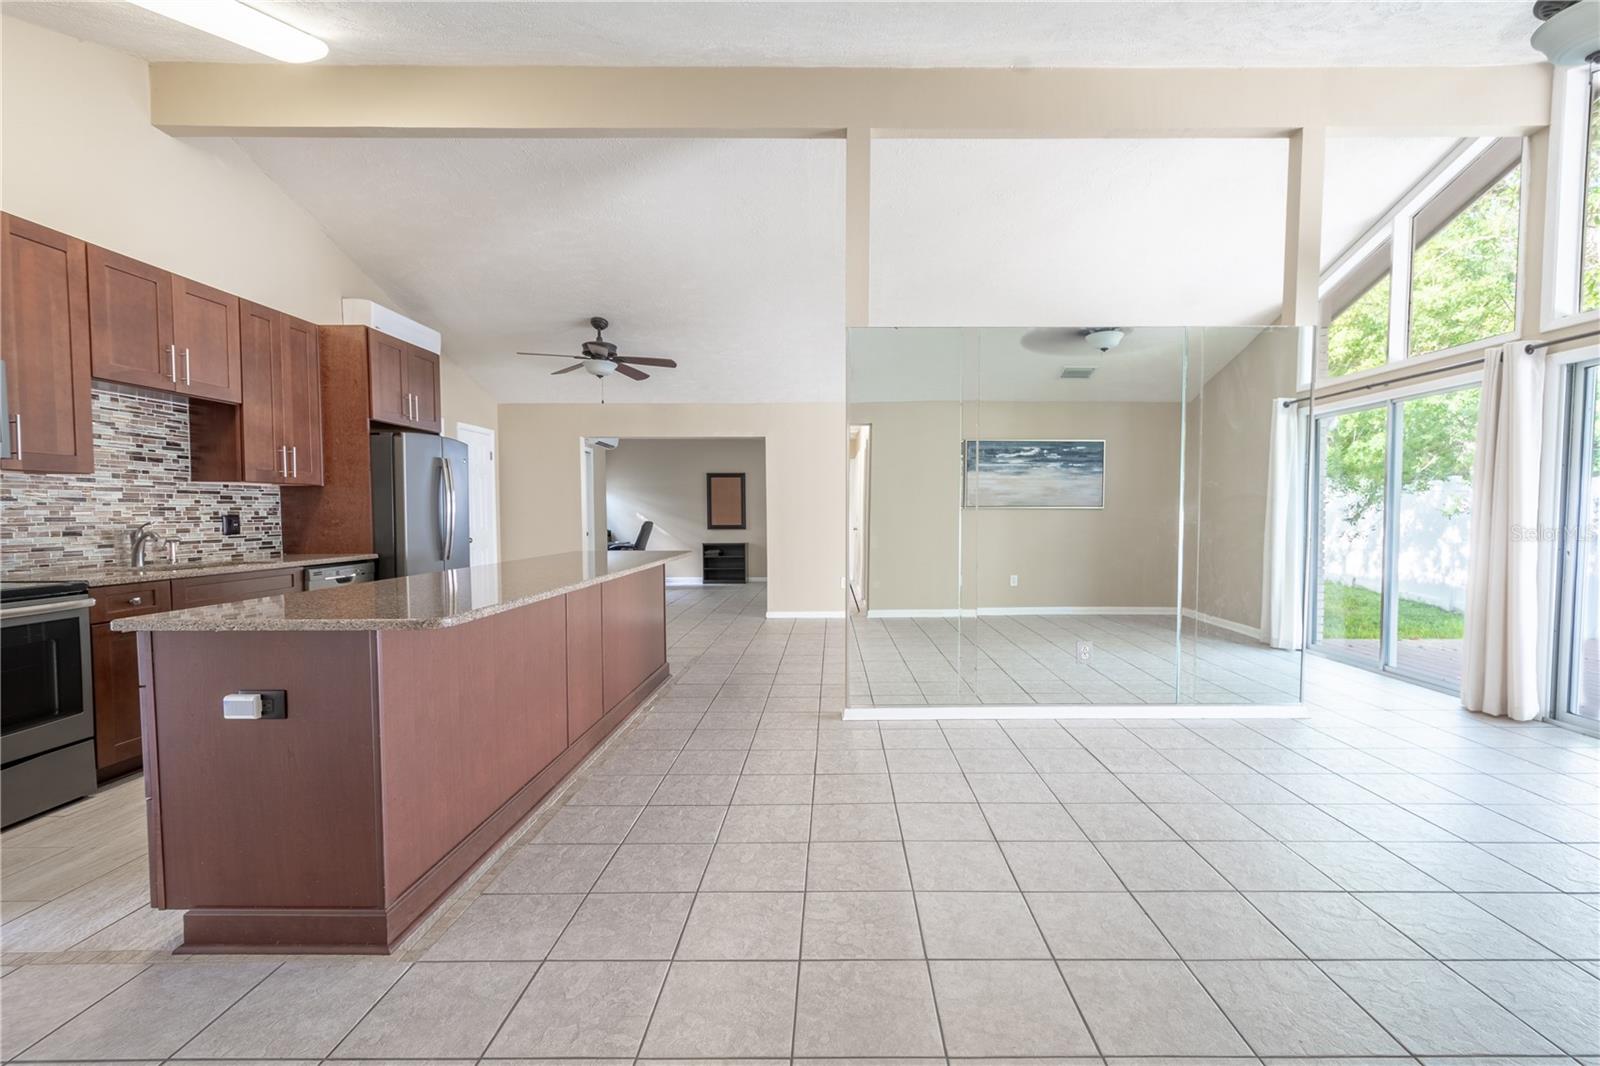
x=419 y=503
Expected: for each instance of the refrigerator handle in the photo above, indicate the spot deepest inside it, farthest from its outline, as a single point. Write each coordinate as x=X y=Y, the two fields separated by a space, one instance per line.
x=449 y=486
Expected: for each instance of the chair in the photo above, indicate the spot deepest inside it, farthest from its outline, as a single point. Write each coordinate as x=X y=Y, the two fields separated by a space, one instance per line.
x=638 y=543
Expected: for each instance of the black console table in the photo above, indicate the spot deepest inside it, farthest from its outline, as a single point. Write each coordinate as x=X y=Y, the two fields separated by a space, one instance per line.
x=723 y=564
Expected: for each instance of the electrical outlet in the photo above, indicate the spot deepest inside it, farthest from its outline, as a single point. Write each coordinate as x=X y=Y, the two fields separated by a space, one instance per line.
x=1085 y=651
x=230 y=525
x=1013 y=580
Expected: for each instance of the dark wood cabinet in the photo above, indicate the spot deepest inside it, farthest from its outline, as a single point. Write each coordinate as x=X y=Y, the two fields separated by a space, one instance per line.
x=153 y=329
x=274 y=436
x=405 y=383
x=387 y=359
x=130 y=322
x=117 y=737
x=585 y=673
x=45 y=343
x=231 y=588
x=205 y=339
x=422 y=382
x=115 y=658
x=299 y=398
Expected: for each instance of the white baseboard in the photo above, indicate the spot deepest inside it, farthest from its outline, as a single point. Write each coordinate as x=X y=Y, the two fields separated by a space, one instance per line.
x=682 y=582
x=1078 y=711
x=1253 y=632
x=1002 y=612
x=805 y=614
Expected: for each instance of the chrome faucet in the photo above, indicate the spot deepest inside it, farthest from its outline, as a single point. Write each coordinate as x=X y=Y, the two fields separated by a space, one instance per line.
x=141 y=536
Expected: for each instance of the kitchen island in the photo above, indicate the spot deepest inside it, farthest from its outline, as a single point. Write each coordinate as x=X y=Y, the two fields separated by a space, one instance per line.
x=424 y=718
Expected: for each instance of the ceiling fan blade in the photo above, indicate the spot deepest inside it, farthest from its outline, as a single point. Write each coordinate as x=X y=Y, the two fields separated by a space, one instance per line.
x=643 y=361
x=629 y=372
x=551 y=355
x=567 y=369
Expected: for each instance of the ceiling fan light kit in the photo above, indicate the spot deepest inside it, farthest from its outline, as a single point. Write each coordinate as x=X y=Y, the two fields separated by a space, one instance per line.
x=1104 y=339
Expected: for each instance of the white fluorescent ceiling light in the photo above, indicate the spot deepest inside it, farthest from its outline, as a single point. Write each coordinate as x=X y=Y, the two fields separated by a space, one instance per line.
x=243 y=25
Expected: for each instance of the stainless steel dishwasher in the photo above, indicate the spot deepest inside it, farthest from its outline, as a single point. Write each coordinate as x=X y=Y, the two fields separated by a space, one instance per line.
x=323 y=577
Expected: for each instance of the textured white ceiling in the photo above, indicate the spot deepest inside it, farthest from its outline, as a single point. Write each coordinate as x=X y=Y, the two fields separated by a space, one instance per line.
x=1262 y=33
x=1365 y=177
x=1130 y=232
x=1120 y=232
x=726 y=255
x=1151 y=365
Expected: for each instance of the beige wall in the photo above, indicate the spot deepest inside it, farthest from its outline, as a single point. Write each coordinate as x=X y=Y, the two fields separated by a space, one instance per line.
x=464 y=400
x=1124 y=555
x=664 y=481
x=1227 y=461
x=540 y=492
x=78 y=154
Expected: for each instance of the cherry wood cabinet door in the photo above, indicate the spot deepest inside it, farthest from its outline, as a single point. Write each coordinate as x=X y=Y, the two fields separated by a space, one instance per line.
x=422 y=382
x=299 y=392
x=44 y=340
x=117 y=747
x=386 y=359
x=205 y=335
x=261 y=441
x=130 y=321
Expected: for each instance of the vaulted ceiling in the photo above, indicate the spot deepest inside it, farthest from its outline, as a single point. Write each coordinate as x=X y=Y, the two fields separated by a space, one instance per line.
x=727 y=255
x=1191 y=33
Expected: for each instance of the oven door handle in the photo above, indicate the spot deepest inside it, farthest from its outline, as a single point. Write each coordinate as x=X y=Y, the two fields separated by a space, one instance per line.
x=27 y=610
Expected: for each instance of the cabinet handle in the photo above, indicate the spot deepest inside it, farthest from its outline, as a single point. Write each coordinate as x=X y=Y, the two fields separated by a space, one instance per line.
x=172 y=351
x=294 y=456
x=16 y=420
x=283 y=460
x=186 y=366
x=135 y=601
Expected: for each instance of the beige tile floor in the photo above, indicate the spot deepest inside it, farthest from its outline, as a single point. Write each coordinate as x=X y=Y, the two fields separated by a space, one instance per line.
x=1032 y=659
x=742 y=875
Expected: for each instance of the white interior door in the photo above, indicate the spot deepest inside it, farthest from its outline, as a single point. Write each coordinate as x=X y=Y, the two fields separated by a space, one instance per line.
x=483 y=501
x=859 y=472
x=586 y=491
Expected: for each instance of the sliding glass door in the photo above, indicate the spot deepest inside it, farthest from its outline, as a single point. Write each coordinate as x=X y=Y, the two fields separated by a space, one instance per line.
x=1578 y=647
x=1393 y=532
x=1352 y=458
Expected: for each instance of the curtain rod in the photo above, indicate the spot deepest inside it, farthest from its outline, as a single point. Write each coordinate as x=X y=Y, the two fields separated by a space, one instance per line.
x=1449 y=368
x=1530 y=349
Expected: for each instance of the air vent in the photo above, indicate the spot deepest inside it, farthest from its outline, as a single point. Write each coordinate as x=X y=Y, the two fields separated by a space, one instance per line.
x=1077 y=373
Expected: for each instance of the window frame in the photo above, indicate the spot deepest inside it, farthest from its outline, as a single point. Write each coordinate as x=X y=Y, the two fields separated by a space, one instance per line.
x=1566 y=179
x=1443 y=193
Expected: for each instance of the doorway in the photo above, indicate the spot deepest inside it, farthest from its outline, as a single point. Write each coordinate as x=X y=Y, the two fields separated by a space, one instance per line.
x=1393 y=528
x=859 y=480
x=483 y=504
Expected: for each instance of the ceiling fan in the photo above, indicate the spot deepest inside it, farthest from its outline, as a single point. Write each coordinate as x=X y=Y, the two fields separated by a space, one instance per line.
x=599 y=357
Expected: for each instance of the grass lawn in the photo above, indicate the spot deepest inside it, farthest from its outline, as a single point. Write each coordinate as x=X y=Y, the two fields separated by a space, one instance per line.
x=1352 y=613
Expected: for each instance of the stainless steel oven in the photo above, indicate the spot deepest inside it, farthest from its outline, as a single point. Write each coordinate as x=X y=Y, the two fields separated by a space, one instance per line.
x=46 y=697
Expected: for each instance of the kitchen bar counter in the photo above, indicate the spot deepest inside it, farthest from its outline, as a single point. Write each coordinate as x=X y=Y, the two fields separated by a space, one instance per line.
x=419 y=732
x=113 y=574
x=422 y=601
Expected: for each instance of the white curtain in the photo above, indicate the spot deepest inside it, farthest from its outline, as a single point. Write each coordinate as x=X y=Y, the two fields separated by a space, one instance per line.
x=1283 y=565
x=1499 y=667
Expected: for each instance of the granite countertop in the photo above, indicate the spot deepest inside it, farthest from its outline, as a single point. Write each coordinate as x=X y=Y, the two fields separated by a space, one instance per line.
x=421 y=601
x=97 y=576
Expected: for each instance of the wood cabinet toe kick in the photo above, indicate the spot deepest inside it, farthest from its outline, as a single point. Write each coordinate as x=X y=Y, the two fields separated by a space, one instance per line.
x=403 y=759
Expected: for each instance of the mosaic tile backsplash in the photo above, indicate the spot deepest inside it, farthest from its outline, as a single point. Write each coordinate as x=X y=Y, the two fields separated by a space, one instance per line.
x=141 y=474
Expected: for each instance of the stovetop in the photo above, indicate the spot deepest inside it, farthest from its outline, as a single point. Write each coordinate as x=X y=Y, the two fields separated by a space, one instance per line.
x=14 y=591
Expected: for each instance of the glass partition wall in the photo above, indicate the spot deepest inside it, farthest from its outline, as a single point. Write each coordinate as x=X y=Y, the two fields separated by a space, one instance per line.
x=1076 y=516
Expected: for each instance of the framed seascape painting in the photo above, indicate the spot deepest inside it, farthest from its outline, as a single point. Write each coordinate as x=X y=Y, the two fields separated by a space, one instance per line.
x=1035 y=473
